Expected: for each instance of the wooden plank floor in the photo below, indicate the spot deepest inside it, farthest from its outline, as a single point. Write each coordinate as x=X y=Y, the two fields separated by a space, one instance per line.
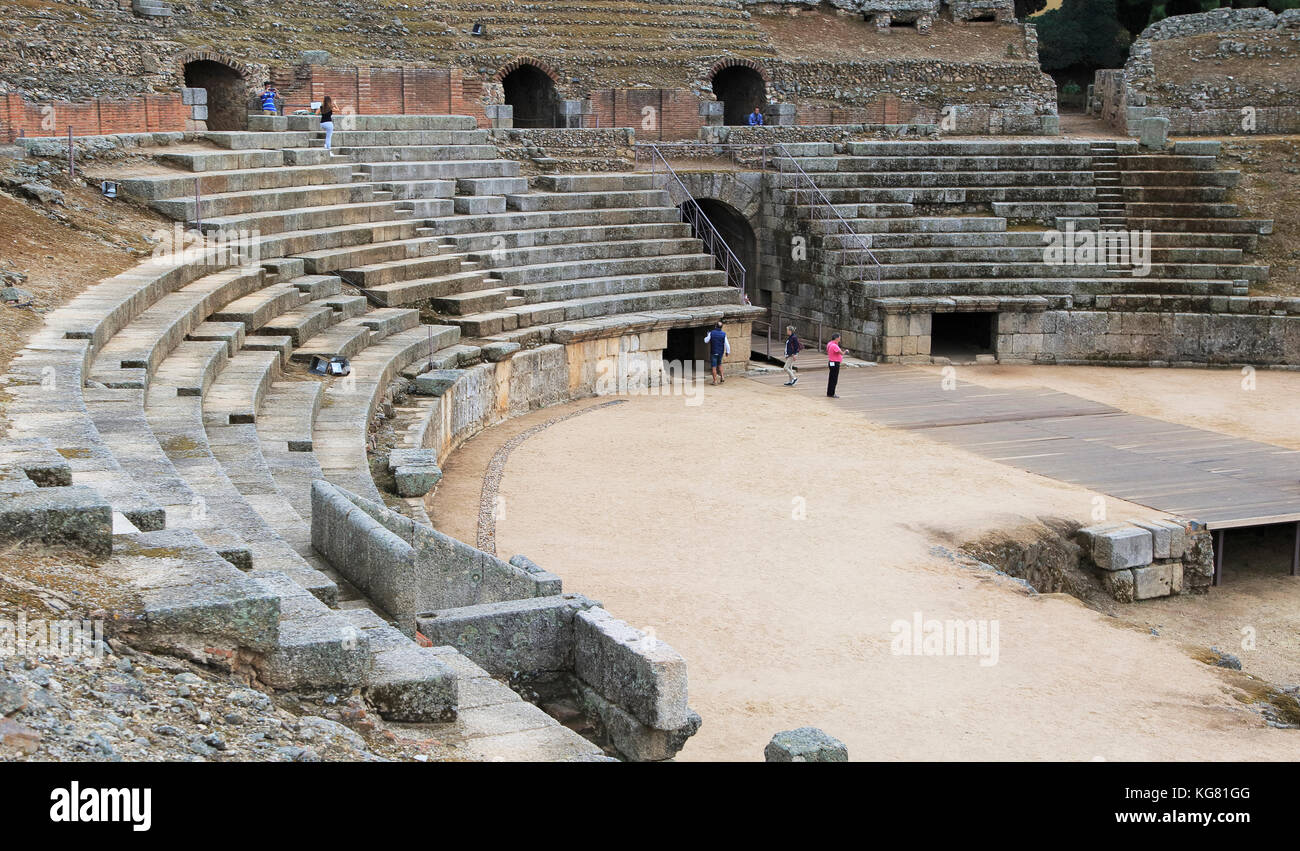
x=1216 y=479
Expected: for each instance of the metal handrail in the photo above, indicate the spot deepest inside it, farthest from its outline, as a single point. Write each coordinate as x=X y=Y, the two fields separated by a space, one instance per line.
x=701 y=226
x=779 y=318
x=815 y=194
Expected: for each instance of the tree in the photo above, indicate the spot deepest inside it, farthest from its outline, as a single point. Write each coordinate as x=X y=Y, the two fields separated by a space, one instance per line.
x=1081 y=35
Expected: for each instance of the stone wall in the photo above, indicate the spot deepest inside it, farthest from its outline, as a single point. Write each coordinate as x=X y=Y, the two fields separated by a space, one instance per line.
x=1228 y=71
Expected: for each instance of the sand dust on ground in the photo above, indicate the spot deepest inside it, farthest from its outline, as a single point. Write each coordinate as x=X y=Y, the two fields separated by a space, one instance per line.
x=776 y=543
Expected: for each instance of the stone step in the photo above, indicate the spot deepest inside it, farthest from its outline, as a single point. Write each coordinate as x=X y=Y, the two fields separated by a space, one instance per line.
x=1076 y=285
x=237 y=394
x=287 y=414
x=316 y=646
x=417 y=153
x=407 y=138
x=462 y=304
x=256 y=309
x=406 y=682
x=941 y=195
x=485 y=244
x=491 y=185
x=194 y=364
x=938 y=163
x=614 y=285
x=186 y=598
x=386 y=321
x=387 y=272
x=1149 y=210
x=135 y=351
x=1166 y=162
x=342 y=340
x=154 y=188
x=596 y=182
x=317 y=286
x=1201 y=225
x=585 y=251
x=1036 y=251
x=478 y=205
x=572 y=310
x=353 y=255
x=998 y=147
x=513 y=221
x=1180 y=178
x=230 y=204
x=1045 y=212
x=916 y=224
x=586 y=201
x=444 y=170
x=65 y=516
x=1013 y=239
x=302 y=323
x=341 y=428
x=419 y=290
x=1172 y=194
x=430 y=208
x=309 y=218
x=243 y=140
x=411 y=122
x=419 y=189
x=1010 y=269
x=602 y=267
x=224 y=161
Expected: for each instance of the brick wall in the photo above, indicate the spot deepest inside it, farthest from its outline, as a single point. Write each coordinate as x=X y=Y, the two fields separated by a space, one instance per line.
x=655 y=114
x=145 y=114
x=383 y=91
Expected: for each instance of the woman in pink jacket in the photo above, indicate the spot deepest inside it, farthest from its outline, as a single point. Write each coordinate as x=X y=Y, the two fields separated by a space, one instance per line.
x=835 y=355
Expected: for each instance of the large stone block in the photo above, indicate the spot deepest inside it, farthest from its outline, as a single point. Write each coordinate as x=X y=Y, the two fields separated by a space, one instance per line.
x=634 y=670
x=635 y=741
x=436 y=382
x=415 y=471
x=531 y=637
x=75 y=516
x=806 y=744
x=1154 y=132
x=1116 y=546
x=1154 y=580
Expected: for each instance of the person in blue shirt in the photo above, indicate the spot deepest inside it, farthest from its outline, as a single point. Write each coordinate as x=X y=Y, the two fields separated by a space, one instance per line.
x=268 y=99
x=756 y=118
x=719 y=346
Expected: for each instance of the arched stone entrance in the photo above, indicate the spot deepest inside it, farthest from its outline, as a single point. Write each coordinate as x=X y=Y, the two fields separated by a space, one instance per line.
x=738 y=235
x=530 y=90
x=228 y=91
x=740 y=88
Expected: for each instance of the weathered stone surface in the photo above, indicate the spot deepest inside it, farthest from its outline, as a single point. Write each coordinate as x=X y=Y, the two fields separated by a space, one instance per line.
x=1118 y=546
x=1155 y=580
x=415 y=471
x=1161 y=537
x=75 y=516
x=806 y=744
x=634 y=670
x=531 y=637
x=635 y=741
x=494 y=352
x=1119 y=584
x=548 y=584
x=406 y=682
x=436 y=382
x=1154 y=133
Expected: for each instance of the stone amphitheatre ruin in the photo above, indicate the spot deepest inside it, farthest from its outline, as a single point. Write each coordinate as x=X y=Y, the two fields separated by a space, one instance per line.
x=520 y=198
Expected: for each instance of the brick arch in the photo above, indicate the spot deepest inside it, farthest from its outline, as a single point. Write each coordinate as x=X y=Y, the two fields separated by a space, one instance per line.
x=243 y=69
x=527 y=60
x=743 y=63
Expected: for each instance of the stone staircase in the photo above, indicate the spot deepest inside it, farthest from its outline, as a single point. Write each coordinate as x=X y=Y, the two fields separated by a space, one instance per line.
x=964 y=225
x=179 y=432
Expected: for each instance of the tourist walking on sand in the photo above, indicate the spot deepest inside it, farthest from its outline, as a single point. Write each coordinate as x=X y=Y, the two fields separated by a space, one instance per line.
x=835 y=357
x=327 y=119
x=792 y=349
x=719 y=345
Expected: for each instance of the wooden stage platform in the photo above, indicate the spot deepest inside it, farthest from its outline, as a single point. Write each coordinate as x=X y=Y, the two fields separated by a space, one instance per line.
x=1220 y=481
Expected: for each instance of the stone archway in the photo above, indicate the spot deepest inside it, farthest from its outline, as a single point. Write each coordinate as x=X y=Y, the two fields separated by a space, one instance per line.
x=228 y=86
x=528 y=87
x=733 y=202
x=740 y=86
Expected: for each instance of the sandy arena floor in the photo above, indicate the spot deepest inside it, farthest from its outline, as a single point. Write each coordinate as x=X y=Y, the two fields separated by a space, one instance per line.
x=774 y=545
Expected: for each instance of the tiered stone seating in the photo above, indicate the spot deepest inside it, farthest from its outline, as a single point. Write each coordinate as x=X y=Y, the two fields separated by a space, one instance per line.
x=189 y=424
x=923 y=207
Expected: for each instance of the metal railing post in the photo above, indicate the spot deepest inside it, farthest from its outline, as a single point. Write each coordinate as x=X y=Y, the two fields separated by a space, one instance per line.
x=72 y=155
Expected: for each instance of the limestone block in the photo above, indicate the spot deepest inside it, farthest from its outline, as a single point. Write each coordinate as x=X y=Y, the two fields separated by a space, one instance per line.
x=639 y=673
x=1155 y=580
x=73 y=516
x=806 y=744
x=637 y=742
x=532 y=637
x=1154 y=132
x=495 y=352
x=415 y=471
x=436 y=382
x=1118 y=546
x=1161 y=537
x=1119 y=584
